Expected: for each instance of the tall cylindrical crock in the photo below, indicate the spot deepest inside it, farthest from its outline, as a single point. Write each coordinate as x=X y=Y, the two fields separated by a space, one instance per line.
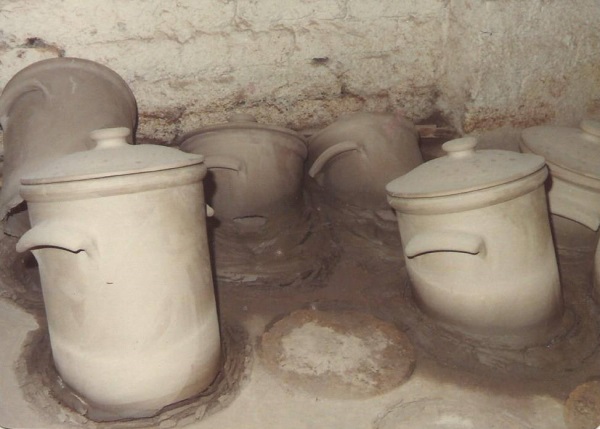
x=48 y=109
x=478 y=248
x=120 y=237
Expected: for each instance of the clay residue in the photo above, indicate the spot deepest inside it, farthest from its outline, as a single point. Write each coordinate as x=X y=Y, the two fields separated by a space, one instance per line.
x=19 y=277
x=446 y=413
x=45 y=390
x=339 y=354
x=282 y=251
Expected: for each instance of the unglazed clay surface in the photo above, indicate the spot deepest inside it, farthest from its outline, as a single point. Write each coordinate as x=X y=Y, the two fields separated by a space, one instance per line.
x=483 y=261
x=261 y=214
x=494 y=384
x=354 y=158
x=255 y=169
x=573 y=156
x=48 y=109
x=127 y=282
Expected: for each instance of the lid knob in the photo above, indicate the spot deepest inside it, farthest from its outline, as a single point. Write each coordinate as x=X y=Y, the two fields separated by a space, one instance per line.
x=241 y=117
x=590 y=126
x=106 y=138
x=460 y=148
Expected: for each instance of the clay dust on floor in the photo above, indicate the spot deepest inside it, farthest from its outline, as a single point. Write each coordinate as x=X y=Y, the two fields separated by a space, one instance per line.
x=343 y=354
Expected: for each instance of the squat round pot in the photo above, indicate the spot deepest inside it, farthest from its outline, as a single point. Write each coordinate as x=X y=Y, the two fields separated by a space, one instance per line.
x=478 y=248
x=48 y=109
x=120 y=238
x=256 y=168
x=356 y=156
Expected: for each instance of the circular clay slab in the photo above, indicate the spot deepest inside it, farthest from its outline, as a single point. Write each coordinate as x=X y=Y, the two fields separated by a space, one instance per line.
x=340 y=354
x=438 y=413
x=582 y=409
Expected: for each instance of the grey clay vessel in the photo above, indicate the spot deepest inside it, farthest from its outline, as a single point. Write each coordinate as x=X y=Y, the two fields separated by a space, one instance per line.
x=48 y=110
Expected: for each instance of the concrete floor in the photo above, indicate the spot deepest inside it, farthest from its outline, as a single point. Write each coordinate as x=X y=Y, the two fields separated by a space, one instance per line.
x=451 y=381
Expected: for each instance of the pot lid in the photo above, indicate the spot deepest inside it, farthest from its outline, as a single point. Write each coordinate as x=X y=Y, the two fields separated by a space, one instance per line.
x=464 y=169
x=112 y=156
x=574 y=149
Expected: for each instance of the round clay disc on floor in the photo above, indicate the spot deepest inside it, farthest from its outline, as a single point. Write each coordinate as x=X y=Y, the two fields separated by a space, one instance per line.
x=582 y=409
x=439 y=413
x=341 y=354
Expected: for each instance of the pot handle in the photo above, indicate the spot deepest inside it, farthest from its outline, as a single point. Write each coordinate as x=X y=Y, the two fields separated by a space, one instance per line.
x=329 y=153
x=58 y=235
x=225 y=162
x=444 y=241
x=10 y=96
x=210 y=212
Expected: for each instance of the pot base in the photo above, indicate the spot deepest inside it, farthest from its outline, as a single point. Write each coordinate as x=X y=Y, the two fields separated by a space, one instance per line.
x=532 y=336
x=38 y=374
x=282 y=252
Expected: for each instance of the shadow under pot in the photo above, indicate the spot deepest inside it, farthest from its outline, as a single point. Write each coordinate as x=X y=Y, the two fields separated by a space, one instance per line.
x=478 y=248
x=573 y=158
x=355 y=157
x=119 y=234
x=48 y=110
x=255 y=170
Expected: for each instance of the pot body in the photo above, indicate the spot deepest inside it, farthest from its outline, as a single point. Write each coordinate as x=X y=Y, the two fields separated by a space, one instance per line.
x=575 y=197
x=356 y=156
x=489 y=270
x=127 y=286
x=48 y=109
x=576 y=216
x=253 y=172
x=571 y=199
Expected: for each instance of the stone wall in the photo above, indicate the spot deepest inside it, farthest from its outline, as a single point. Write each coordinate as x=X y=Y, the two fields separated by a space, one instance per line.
x=480 y=65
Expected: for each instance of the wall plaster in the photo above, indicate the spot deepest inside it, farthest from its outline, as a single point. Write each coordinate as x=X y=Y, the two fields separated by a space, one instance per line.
x=480 y=65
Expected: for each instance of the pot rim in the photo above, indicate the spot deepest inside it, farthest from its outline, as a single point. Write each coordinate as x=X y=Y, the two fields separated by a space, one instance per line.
x=113 y=185
x=567 y=174
x=570 y=149
x=574 y=177
x=300 y=148
x=469 y=200
x=410 y=126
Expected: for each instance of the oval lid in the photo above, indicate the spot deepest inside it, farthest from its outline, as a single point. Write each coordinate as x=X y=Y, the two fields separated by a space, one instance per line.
x=574 y=149
x=464 y=169
x=112 y=156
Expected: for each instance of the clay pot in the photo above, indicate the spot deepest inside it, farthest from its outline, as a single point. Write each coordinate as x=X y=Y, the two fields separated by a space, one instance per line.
x=120 y=237
x=356 y=156
x=48 y=109
x=573 y=157
x=477 y=242
x=256 y=168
